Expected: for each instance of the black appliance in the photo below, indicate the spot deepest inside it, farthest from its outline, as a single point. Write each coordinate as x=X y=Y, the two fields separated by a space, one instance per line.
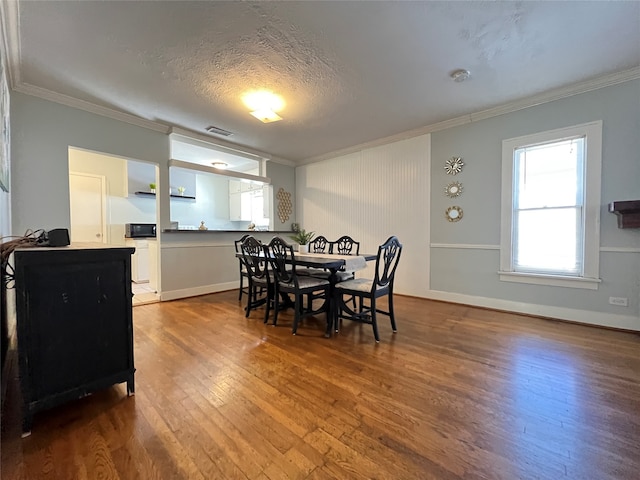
x=139 y=230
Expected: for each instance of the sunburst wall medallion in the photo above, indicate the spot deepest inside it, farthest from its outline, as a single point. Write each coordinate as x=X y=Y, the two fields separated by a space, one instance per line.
x=453 y=190
x=453 y=166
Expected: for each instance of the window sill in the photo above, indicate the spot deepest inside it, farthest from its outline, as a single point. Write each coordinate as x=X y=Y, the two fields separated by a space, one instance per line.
x=550 y=280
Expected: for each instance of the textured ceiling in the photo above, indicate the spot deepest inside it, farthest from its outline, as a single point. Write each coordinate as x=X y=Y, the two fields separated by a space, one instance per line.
x=350 y=72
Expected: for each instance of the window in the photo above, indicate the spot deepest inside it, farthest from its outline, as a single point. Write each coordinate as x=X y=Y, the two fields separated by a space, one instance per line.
x=551 y=207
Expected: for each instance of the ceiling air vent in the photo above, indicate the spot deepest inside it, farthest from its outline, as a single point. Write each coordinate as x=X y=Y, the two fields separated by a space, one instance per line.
x=218 y=131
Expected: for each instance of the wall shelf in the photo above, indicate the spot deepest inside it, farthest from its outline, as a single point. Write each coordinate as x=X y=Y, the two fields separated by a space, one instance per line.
x=151 y=194
x=628 y=213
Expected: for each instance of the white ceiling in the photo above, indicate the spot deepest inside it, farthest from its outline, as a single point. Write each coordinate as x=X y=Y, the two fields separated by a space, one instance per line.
x=350 y=72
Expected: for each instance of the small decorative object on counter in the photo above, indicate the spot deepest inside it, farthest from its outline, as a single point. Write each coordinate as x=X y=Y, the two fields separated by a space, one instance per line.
x=181 y=190
x=295 y=227
x=152 y=187
x=252 y=226
x=202 y=226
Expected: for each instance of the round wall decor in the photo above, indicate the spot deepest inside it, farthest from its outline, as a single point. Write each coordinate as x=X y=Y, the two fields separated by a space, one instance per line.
x=453 y=166
x=454 y=189
x=454 y=214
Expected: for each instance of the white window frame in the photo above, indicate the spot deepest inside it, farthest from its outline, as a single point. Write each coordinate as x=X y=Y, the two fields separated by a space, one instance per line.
x=592 y=183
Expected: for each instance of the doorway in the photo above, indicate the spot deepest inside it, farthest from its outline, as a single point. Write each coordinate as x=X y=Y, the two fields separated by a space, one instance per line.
x=102 y=190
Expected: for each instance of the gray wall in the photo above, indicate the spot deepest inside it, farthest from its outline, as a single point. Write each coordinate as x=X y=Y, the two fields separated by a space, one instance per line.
x=42 y=132
x=465 y=255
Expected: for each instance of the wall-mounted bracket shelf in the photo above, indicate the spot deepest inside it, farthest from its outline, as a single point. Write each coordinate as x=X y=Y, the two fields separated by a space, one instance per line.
x=151 y=194
x=628 y=213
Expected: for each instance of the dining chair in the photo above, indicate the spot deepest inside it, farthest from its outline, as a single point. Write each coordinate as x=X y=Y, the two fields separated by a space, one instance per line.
x=286 y=281
x=345 y=245
x=367 y=291
x=243 y=268
x=260 y=280
x=320 y=244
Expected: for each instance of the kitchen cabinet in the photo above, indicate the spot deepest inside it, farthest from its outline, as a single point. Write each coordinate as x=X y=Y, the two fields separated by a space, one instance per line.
x=240 y=206
x=248 y=201
x=139 y=260
x=74 y=323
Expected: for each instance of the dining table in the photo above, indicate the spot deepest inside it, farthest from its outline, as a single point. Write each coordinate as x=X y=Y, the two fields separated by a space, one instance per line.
x=333 y=263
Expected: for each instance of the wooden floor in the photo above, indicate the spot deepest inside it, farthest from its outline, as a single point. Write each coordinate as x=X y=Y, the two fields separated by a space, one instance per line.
x=458 y=392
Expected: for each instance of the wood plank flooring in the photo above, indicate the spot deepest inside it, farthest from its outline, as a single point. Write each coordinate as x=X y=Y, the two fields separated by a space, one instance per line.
x=457 y=393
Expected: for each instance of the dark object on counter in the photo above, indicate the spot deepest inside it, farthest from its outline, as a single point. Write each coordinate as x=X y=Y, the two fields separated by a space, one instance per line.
x=74 y=324
x=139 y=230
x=58 y=237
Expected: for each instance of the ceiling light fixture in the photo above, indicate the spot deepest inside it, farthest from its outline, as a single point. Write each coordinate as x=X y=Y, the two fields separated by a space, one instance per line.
x=220 y=165
x=264 y=105
x=266 y=116
x=460 y=75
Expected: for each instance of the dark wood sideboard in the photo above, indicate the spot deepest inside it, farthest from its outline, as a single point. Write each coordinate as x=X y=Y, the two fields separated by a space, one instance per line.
x=74 y=323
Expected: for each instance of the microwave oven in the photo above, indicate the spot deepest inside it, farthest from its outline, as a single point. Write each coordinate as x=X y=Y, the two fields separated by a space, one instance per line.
x=139 y=230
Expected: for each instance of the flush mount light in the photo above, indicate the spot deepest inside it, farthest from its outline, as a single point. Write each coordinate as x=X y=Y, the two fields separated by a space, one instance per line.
x=460 y=75
x=220 y=165
x=264 y=105
x=266 y=116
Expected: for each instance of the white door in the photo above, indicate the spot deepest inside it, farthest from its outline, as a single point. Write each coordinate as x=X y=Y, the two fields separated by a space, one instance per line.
x=87 y=202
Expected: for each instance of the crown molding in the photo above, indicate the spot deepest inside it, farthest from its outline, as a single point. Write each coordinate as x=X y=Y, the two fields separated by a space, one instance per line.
x=539 y=99
x=90 y=107
x=10 y=44
x=10 y=41
x=283 y=161
x=73 y=102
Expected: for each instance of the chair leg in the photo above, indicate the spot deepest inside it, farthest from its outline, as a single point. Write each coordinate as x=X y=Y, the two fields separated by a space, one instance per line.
x=241 y=287
x=374 y=322
x=296 y=308
x=268 y=303
x=250 y=299
x=391 y=315
x=337 y=311
x=276 y=305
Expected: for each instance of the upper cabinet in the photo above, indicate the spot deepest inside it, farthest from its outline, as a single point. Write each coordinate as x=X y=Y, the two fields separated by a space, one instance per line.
x=249 y=202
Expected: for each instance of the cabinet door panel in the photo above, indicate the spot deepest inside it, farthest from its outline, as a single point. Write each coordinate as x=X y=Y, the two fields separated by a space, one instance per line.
x=85 y=320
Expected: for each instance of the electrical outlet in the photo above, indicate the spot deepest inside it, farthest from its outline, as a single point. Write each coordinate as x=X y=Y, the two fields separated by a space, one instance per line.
x=620 y=301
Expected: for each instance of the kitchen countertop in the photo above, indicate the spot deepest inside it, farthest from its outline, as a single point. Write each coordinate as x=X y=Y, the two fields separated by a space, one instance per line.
x=178 y=230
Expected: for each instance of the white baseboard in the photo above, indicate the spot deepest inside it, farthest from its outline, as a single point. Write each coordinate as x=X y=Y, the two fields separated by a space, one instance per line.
x=603 y=319
x=195 y=291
